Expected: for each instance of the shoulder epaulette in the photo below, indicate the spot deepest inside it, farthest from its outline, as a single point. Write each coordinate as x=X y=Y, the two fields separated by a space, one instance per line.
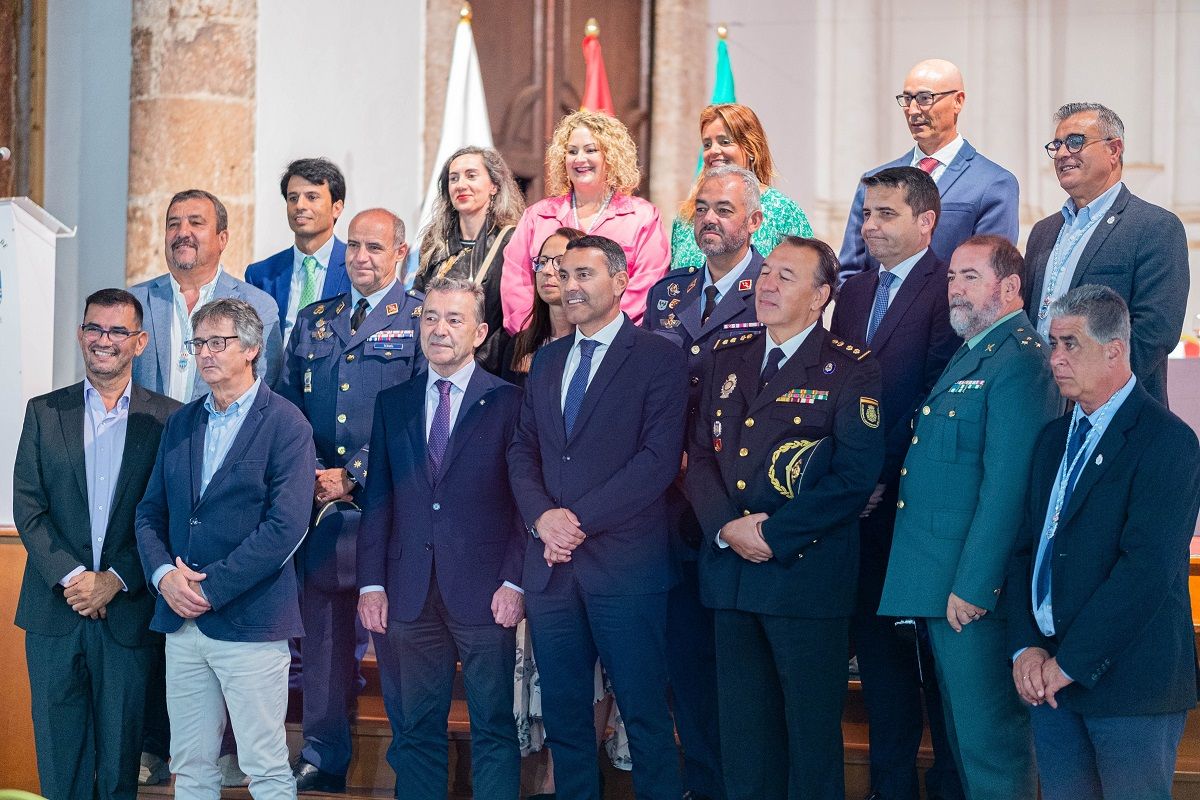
x=1027 y=336
x=320 y=306
x=856 y=352
x=736 y=339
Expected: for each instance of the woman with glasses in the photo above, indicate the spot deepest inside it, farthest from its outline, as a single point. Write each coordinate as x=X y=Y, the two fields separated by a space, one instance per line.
x=731 y=134
x=477 y=208
x=547 y=319
x=591 y=166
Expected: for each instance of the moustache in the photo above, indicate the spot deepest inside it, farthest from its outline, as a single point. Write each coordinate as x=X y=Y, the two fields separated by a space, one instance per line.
x=961 y=302
x=179 y=241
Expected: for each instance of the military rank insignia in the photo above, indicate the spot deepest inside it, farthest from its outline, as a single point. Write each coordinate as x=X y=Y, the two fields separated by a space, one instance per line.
x=417 y=311
x=806 y=396
x=728 y=386
x=339 y=308
x=392 y=308
x=960 y=387
x=691 y=285
x=745 y=285
x=868 y=410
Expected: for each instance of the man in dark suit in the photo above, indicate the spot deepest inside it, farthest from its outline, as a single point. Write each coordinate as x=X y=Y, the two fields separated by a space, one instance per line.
x=342 y=352
x=961 y=491
x=978 y=195
x=313 y=268
x=226 y=507
x=1099 y=620
x=780 y=555
x=692 y=310
x=901 y=311
x=84 y=605
x=599 y=440
x=1106 y=235
x=440 y=553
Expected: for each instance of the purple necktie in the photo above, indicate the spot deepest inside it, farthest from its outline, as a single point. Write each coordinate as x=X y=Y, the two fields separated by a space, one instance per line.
x=439 y=432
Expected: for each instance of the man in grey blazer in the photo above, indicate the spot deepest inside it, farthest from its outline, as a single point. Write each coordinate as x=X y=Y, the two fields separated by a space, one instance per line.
x=978 y=195
x=197 y=230
x=1106 y=235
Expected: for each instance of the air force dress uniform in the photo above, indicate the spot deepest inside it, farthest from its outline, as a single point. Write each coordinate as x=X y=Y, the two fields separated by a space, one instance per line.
x=806 y=449
x=333 y=374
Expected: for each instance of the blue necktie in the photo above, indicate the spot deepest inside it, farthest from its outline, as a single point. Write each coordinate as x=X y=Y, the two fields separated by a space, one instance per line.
x=772 y=367
x=1043 y=565
x=881 y=302
x=578 y=385
x=439 y=431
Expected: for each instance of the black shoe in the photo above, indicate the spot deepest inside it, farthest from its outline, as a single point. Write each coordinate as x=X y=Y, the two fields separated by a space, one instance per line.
x=311 y=779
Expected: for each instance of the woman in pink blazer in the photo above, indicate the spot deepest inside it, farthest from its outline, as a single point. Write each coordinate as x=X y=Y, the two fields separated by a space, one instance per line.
x=591 y=165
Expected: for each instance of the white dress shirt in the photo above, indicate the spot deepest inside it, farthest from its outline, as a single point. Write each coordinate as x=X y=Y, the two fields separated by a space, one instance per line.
x=183 y=378
x=944 y=157
x=323 y=254
x=604 y=339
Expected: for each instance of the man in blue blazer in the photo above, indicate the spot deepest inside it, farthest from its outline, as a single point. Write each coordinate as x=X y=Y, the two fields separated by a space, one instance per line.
x=440 y=550
x=901 y=310
x=1099 y=619
x=978 y=195
x=314 y=267
x=225 y=509
x=599 y=440
x=1106 y=235
x=197 y=231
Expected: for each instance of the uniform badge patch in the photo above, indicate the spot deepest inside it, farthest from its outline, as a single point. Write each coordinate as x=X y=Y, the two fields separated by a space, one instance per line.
x=319 y=310
x=670 y=322
x=417 y=311
x=716 y=429
x=745 y=285
x=662 y=305
x=728 y=386
x=692 y=285
x=716 y=445
x=868 y=410
x=674 y=302
x=392 y=308
x=308 y=380
x=828 y=368
x=339 y=308
x=673 y=289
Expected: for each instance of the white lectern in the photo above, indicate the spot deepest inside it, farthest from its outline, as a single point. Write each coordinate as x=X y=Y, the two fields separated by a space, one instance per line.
x=28 y=239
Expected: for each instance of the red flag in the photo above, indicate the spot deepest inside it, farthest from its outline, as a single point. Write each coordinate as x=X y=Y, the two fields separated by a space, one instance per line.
x=596 y=94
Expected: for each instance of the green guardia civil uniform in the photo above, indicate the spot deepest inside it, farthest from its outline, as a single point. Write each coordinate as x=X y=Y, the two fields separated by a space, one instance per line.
x=962 y=489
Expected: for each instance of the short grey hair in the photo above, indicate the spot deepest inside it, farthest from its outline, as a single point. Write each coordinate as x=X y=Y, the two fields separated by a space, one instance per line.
x=246 y=322
x=398 y=230
x=751 y=193
x=447 y=284
x=1104 y=312
x=1110 y=125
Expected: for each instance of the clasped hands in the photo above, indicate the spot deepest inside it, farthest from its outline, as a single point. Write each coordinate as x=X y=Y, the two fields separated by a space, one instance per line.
x=744 y=537
x=1038 y=677
x=508 y=608
x=332 y=484
x=89 y=593
x=560 y=533
x=181 y=589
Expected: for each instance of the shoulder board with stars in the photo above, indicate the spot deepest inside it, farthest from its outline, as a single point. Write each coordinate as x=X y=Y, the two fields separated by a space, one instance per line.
x=1026 y=336
x=319 y=307
x=736 y=339
x=856 y=352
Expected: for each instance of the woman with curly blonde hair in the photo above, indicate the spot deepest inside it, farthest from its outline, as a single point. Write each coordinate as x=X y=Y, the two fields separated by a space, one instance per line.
x=731 y=134
x=591 y=166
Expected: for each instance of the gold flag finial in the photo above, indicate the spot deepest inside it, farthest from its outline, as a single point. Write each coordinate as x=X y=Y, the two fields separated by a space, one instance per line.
x=592 y=28
x=722 y=30
x=464 y=14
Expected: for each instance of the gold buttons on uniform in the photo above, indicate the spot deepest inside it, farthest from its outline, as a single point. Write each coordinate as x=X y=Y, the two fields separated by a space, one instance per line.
x=749 y=422
x=341 y=417
x=341 y=450
x=695 y=349
x=951 y=414
x=345 y=387
x=718 y=412
x=350 y=357
x=899 y=504
x=914 y=440
x=743 y=452
x=741 y=484
x=311 y=356
x=925 y=411
x=904 y=470
x=795 y=420
x=745 y=512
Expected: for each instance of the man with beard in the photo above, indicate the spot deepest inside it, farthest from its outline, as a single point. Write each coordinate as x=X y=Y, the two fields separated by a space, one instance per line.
x=693 y=310
x=962 y=492
x=978 y=195
x=85 y=456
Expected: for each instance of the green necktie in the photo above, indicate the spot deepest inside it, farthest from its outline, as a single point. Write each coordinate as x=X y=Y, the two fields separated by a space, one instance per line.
x=308 y=294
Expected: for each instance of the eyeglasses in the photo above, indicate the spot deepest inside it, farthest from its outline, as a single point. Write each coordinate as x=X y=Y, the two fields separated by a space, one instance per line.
x=215 y=344
x=94 y=333
x=924 y=99
x=1074 y=143
x=541 y=262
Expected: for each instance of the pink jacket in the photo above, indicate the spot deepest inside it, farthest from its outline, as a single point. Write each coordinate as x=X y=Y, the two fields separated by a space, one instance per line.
x=631 y=222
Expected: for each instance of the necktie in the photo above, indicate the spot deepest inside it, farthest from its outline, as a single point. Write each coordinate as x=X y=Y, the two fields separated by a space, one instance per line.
x=881 y=302
x=1043 y=564
x=439 y=431
x=710 y=302
x=928 y=164
x=578 y=385
x=773 y=359
x=308 y=292
x=360 y=313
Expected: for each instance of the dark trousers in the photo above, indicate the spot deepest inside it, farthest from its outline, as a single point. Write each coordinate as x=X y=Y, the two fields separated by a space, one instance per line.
x=692 y=667
x=87 y=695
x=426 y=652
x=570 y=627
x=1105 y=758
x=330 y=675
x=895 y=680
x=781 y=687
x=156 y=726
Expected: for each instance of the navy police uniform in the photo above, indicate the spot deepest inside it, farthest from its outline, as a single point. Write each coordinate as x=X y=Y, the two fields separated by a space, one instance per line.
x=674 y=308
x=333 y=376
x=782 y=626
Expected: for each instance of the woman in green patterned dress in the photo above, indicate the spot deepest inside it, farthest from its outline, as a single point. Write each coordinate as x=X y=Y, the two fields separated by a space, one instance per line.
x=731 y=134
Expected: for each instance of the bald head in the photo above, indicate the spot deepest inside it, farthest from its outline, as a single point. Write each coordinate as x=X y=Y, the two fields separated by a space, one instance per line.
x=933 y=125
x=375 y=249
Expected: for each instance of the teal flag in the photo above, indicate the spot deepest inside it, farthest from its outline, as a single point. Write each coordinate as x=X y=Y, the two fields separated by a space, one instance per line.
x=723 y=88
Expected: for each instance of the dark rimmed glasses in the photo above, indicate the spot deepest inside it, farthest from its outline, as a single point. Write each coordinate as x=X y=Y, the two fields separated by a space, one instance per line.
x=94 y=333
x=924 y=99
x=215 y=344
x=541 y=262
x=1074 y=142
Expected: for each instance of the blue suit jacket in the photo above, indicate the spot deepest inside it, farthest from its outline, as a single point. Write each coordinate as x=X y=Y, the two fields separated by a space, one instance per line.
x=613 y=471
x=464 y=526
x=1119 y=567
x=274 y=275
x=243 y=531
x=1140 y=251
x=978 y=196
x=153 y=367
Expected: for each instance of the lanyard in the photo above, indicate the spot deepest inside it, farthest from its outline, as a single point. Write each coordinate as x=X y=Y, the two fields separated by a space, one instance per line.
x=1064 y=476
x=1059 y=257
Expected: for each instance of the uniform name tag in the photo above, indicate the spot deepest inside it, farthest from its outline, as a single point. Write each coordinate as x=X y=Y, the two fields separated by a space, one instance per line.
x=389 y=345
x=963 y=386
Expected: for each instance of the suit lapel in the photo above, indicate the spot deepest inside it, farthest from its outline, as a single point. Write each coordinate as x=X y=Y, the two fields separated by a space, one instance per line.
x=161 y=314
x=618 y=351
x=139 y=429
x=335 y=271
x=196 y=450
x=244 y=436
x=1103 y=230
x=70 y=416
x=1106 y=451
x=956 y=168
x=792 y=373
x=413 y=404
x=910 y=288
x=689 y=312
x=553 y=396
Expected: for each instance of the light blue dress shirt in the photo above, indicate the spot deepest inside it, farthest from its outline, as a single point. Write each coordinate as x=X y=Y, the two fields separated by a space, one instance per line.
x=729 y=279
x=899 y=273
x=372 y=299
